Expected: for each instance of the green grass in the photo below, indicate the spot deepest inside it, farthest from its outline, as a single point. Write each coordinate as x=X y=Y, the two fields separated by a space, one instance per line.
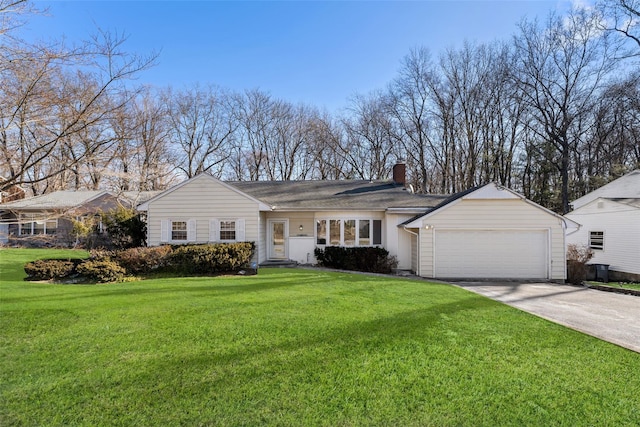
x=626 y=285
x=295 y=347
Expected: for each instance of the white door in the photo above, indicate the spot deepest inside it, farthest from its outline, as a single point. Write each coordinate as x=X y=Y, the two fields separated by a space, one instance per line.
x=491 y=254
x=277 y=239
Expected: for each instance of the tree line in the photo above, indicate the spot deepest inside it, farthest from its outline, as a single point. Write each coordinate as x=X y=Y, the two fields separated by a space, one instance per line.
x=553 y=112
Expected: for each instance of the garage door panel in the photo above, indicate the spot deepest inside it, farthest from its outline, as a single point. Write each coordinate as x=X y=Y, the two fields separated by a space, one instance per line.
x=491 y=253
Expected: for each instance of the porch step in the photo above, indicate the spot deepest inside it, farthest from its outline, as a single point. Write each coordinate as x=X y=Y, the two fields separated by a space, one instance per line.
x=279 y=263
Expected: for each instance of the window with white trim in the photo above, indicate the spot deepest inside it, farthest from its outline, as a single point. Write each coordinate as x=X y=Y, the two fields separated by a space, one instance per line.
x=33 y=226
x=596 y=240
x=364 y=232
x=179 y=231
x=321 y=232
x=227 y=230
x=349 y=232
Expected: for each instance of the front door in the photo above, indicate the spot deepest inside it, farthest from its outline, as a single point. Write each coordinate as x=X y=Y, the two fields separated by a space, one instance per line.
x=278 y=240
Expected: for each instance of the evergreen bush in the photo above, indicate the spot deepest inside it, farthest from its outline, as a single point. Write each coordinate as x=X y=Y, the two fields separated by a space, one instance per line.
x=101 y=271
x=361 y=258
x=210 y=258
x=50 y=269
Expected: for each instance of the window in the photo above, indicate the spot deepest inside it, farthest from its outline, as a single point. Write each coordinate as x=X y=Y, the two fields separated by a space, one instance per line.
x=349 y=232
x=596 y=240
x=179 y=230
x=33 y=227
x=227 y=230
x=364 y=233
x=334 y=232
x=321 y=232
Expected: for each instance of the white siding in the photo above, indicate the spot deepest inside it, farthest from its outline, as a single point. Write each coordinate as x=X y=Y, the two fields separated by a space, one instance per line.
x=487 y=214
x=414 y=253
x=398 y=241
x=621 y=226
x=200 y=201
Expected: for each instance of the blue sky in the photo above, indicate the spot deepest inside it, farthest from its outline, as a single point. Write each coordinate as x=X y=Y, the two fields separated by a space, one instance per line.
x=319 y=53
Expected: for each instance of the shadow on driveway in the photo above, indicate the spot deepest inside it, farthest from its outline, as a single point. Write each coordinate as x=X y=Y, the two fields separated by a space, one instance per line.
x=611 y=317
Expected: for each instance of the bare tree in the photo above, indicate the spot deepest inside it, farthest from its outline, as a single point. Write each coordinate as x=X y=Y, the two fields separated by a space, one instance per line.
x=52 y=94
x=623 y=17
x=369 y=146
x=200 y=127
x=411 y=103
x=561 y=68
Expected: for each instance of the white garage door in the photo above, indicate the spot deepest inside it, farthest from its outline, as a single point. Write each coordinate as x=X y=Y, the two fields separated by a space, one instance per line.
x=491 y=254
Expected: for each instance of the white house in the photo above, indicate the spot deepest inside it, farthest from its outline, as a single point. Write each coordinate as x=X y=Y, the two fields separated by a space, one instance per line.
x=610 y=225
x=289 y=219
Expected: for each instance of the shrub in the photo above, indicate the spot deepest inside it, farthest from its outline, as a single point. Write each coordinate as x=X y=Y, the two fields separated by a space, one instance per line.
x=51 y=269
x=144 y=260
x=211 y=258
x=101 y=255
x=101 y=271
x=580 y=253
x=125 y=228
x=369 y=259
x=577 y=258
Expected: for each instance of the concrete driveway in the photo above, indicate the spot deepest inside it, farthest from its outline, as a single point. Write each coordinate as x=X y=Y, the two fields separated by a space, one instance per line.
x=609 y=316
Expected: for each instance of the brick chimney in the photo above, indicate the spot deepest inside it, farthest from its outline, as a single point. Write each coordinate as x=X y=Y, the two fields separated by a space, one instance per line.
x=400 y=173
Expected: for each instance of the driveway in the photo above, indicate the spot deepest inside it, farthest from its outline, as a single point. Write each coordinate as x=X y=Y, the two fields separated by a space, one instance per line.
x=609 y=316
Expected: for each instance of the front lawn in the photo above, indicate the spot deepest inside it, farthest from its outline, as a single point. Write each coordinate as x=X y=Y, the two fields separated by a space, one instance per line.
x=295 y=347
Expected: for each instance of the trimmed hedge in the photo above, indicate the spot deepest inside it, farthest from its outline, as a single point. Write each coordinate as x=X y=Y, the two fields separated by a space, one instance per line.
x=210 y=258
x=361 y=258
x=113 y=266
x=143 y=260
x=51 y=269
x=101 y=271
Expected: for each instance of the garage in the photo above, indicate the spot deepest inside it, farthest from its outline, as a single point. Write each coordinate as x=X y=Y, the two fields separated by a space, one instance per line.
x=469 y=253
x=490 y=232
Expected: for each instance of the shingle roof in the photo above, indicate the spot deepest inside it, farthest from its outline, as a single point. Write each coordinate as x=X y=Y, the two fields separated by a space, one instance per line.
x=634 y=202
x=70 y=199
x=627 y=186
x=325 y=195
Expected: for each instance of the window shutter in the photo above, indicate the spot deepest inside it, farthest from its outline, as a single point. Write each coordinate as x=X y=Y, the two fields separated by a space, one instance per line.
x=240 y=230
x=377 y=232
x=165 y=225
x=191 y=230
x=214 y=230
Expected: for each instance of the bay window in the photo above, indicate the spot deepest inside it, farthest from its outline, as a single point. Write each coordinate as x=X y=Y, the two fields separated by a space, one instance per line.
x=349 y=232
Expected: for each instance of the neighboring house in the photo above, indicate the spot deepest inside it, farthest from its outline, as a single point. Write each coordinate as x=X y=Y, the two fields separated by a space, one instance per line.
x=48 y=219
x=289 y=219
x=610 y=225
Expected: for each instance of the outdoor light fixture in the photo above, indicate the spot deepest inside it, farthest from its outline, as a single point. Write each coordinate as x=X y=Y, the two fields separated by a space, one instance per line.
x=301 y=227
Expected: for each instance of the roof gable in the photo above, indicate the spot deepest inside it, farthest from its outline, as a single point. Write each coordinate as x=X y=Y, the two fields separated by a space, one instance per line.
x=204 y=176
x=625 y=187
x=491 y=191
x=606 y=203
